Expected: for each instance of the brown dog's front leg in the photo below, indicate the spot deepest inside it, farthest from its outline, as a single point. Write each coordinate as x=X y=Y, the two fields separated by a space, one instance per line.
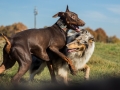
x=72 y=67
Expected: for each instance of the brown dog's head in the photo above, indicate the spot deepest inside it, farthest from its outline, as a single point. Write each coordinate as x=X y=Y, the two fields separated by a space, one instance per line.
x=70 y=19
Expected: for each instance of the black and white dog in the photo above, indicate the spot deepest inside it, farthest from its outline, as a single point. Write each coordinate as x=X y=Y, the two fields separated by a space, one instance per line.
x=80 y=48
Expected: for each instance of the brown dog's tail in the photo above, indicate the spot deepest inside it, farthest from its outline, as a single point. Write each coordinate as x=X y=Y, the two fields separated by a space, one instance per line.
x=8 y=44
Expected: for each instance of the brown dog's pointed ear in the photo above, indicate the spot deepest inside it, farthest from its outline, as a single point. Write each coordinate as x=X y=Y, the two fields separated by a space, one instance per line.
x=67 y=9
x=59 y=14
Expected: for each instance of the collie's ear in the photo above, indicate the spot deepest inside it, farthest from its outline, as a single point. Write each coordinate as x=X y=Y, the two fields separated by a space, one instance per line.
x=83 y=47
x=59 y=14
x=67 y=9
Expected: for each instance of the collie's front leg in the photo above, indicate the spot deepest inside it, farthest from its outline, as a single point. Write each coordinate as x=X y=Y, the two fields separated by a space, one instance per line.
x=86 y=70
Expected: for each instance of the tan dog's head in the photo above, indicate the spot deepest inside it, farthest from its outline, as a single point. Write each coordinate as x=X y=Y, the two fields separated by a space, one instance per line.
x=70 y=19
x=81 y=43
x=76 y=47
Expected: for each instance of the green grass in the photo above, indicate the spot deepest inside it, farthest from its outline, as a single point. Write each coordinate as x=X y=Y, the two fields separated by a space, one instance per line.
x=104 y=63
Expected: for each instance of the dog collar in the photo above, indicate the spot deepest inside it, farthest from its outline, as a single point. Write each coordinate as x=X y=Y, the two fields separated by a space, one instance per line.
x=62 y=25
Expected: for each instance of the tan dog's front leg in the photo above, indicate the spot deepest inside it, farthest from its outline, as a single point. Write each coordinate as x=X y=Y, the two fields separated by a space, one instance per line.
x=86 y=70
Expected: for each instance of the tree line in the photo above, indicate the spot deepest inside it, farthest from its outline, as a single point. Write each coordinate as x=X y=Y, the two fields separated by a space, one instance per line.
x=99 y=34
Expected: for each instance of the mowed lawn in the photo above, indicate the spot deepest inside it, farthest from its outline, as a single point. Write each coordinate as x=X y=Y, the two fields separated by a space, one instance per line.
x=104 y=63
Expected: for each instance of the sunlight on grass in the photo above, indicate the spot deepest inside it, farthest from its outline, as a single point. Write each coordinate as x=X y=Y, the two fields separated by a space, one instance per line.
x=104 y=63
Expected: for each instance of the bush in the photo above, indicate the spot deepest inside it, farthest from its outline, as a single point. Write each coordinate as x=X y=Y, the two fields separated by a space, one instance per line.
x=101 y=35
x=113 y=39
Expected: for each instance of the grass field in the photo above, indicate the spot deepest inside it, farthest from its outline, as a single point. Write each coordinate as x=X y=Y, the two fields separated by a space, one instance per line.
x=104 y=63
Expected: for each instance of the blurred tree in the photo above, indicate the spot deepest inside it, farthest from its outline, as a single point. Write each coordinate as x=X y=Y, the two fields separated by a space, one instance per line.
x=101 y=35
x=113 y=39
x=45 y=26
x=12 y=29
x=1 y=28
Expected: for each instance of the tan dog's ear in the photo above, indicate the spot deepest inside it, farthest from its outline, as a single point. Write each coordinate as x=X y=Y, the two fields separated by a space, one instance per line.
x=59 y=14
x=67 y=9
x=82 y=47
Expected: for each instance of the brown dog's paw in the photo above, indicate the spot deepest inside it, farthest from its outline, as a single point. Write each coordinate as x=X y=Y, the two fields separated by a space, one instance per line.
x=73 y=72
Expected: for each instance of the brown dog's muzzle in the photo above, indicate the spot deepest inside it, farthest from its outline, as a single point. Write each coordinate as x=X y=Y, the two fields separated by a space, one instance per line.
x=80 y=23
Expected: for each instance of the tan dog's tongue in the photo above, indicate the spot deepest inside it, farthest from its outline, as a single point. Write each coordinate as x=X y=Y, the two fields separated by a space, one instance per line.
x=71 y=50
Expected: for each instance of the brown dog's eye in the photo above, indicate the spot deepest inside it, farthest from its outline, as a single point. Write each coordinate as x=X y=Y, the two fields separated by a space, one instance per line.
x=73 y=17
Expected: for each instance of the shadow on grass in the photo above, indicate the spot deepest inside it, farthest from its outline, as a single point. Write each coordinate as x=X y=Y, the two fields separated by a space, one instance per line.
x=107 y=84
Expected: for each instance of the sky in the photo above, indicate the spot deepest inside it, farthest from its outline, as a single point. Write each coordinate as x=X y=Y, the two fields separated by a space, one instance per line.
x=103 y=14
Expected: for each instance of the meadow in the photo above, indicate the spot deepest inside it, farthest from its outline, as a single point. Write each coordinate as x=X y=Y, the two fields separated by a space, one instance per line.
x=104 y=63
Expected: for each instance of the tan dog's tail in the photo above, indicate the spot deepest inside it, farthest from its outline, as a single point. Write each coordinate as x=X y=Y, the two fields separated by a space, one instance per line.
x=8 y=44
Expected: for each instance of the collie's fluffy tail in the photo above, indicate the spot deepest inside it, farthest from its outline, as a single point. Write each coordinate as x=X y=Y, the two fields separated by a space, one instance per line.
x=8 y=44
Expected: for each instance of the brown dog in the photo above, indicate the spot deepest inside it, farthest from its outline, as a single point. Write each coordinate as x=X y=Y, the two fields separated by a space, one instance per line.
x=36 y=41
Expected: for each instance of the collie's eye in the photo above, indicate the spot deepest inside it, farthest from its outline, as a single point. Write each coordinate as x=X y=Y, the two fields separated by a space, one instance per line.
x=78 y=42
